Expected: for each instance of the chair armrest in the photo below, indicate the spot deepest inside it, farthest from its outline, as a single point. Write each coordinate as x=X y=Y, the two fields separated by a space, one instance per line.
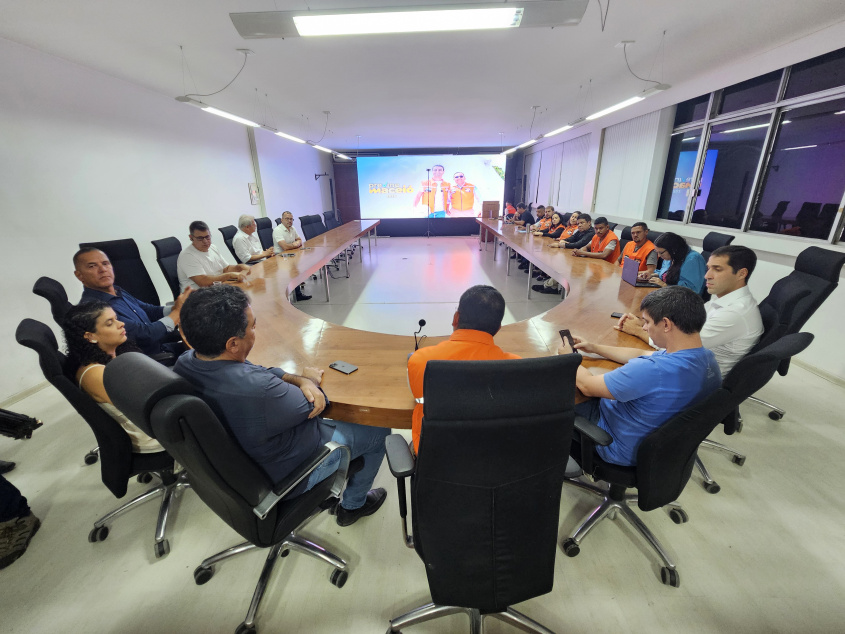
x=596 y=434
x=164 y=358
x=399 y=457
x=304 y=470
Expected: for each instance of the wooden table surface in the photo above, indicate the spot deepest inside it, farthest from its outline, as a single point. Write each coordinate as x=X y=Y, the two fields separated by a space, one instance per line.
x=377 y=393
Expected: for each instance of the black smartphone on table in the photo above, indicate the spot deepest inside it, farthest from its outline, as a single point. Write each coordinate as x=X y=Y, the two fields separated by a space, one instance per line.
x=566 y=337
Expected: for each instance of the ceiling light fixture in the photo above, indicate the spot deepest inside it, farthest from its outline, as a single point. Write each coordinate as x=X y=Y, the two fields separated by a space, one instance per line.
x=289 y=137
x=692 y=138
x=320 y=147
x=220 y=113
x=648 y=92
x=558 y=131
x=748 y=127
x=800 y=147
x=343 y=156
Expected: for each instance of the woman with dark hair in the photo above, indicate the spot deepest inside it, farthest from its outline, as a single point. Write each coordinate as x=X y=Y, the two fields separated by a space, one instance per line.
x=555 y=229
x=571 y=227
x=680 y=265
x=94 y=336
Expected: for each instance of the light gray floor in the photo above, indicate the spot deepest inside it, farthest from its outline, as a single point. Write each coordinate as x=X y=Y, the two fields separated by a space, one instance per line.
x=764 y=555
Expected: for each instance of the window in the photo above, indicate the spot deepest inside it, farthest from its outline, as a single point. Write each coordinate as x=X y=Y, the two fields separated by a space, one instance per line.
x=754 y=92
x=805 y=176
x=733 y=154
x=692 y=110
x=819 y=73
x=677 y=181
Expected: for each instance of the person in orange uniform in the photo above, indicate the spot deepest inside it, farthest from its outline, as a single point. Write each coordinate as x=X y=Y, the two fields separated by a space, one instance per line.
x=604 y=245
x=544 y=219
x=571 y=227
x=477 y=319
x=510 y=212
x=642 y=249
x=463 y=198
x=435 y=194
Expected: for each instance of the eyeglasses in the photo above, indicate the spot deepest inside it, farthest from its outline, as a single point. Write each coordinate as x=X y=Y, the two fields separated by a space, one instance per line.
x=459 y=176
x=202 y=238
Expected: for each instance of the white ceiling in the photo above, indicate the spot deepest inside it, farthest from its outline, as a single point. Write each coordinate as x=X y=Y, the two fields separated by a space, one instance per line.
x=416 y=90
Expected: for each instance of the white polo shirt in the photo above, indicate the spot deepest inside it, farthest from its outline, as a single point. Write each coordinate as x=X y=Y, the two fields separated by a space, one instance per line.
x=733 y=327
x=284 y=234
x=246 y=245
x=193 y=262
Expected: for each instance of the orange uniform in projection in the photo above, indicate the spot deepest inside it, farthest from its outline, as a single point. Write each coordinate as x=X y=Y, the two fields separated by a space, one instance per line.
x=463 y=198
x=597 y=245
x=640 y=254
x=433 y=188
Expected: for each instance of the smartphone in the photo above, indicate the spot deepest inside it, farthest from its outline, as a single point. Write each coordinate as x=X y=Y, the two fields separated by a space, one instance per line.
x=343 y=366
x=616 y=315
x=566 y=337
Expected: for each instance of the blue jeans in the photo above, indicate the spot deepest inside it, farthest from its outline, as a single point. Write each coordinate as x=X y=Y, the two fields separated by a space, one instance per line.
x=362 y=440
x=437 y=214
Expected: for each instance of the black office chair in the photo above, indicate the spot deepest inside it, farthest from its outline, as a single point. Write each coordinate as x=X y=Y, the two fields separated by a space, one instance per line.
x=118 y=462
x=712 y=241
x=624 y=238
x=265 y=232
x=331 y=220
x=612 y=225
x=224 y=477
x=53 y=292
x=807 y=219
x=485 y=488
x=770 y=223
x=311 y=226
x=167 y=255
x=129 y=270
x=278 y=221
x=666 y=457
x=228 y=233
x=654 y=235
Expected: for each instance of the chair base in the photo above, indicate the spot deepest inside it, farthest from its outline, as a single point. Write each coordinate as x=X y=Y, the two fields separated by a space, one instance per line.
x=709 y=484
x=161 y=547
x=609 y=508
x=205 y=570
x=776 y=412
x=431 y=611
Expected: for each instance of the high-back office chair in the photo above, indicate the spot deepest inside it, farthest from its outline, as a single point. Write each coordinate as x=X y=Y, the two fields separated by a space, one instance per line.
x=129 y=270
x=228 y=233
x=55 y=293
x=665 y=458
x=654 y=235
x=807 y=219
x=278 y=221
x=624 y=238
x=265 y=232
x=485 y=488
x=225 y=478
x=311 y=226
x=118 y=462
x=167 y=255
x=770 y=223
x=331 y=220
x=825 y=221
x=712 y=241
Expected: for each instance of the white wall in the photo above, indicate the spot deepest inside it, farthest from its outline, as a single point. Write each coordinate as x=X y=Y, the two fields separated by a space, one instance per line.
x=87 y=157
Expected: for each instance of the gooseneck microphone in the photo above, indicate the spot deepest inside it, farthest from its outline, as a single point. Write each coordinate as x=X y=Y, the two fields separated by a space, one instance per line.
x=416 y=341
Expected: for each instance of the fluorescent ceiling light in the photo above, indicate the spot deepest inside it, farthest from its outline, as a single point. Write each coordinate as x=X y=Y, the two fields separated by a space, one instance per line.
x=230 y=116
x=785 y=121
x=558 y=131
x=748 y=127
x=343 y=156
x=321 y=148
x=526 y=144
x=619 y=106
x=506 y=152
x=289 y=137
x=411 y=21
x=800 y=147
x=840 y=112
x=692 y=138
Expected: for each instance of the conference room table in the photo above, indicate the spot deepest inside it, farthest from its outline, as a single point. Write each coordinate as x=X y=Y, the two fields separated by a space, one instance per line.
x=378 y=393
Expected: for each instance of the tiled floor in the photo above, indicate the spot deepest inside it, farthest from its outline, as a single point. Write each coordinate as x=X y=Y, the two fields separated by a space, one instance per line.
x=764 y=555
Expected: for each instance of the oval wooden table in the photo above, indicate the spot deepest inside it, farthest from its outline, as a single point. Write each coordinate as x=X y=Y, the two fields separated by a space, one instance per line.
x=377 y=393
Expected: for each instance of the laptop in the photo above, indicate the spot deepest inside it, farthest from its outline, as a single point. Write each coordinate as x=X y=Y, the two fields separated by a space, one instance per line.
x=630 y=268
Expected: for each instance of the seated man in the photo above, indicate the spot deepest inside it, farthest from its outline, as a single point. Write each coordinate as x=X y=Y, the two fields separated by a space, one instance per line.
x=475 y=322
x=510 y=212
x=152 y=328
x=523 y=217
x=652 y=386
x=733 y=325
x=580 y=238
x=275 y=423
x=603 y=245
x=246 y=244
x=285 y=238
x=544 y=219
x=201 y=264
x=642 y=249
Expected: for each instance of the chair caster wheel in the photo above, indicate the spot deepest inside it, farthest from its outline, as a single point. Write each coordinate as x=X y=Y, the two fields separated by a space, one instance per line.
x=739 y=460
x=162 y=549
x=775 y=415
x=285 y=552
x=670 y=577
x=91 y=458
x=679 y=516
x=712 y=487
x=339 y=578
x=570 y=548
x=145 y=478
x=739 y=427
x=203 y=575
x=98 y=534
x=243 y=628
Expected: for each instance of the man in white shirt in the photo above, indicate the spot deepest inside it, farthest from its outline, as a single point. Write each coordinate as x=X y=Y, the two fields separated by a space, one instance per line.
x=285 y=237
x=246 y=244
x=733 y=325
x=201 y=264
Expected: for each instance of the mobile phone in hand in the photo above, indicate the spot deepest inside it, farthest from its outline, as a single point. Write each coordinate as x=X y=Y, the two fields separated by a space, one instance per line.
x=566 y=337
x=616 y=315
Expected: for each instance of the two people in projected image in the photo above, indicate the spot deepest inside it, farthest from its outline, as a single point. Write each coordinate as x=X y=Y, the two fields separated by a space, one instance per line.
x=447 y=200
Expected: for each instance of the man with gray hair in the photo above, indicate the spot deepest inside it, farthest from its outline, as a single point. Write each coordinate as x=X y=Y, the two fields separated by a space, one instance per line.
x=246 y=244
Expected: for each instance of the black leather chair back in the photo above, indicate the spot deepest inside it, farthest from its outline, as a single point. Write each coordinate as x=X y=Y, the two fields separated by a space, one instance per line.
x=654 y=235
x=53 y=292
x=624 y=238
x=713 y=241
x=228 y=233
x=311 y=225
x=167 y=255
x=278 y=221
x=331 y=220
x=129 y=270
x=486 y=489
x=265 y=232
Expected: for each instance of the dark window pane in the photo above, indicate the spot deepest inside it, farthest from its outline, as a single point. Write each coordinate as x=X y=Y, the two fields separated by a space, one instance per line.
x=691 y=110
x=678 y=177
x=819 y=73
x=729 y=167
x=805 y=177
x=754 y=92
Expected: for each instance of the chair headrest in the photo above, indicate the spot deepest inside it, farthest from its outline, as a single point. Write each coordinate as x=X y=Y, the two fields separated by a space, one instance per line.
x=39 y=337
x=167 y=247
x=754 y=370
x=125 y=249
x=821 y=263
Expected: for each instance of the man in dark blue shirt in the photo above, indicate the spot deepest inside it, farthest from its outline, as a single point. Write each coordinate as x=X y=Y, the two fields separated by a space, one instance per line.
x=152 y=328
x=272 y=414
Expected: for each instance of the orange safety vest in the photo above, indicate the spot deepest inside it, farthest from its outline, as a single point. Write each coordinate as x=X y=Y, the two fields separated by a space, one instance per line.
x=463 y=198
x=640 y=254
x=543 y=224
x=597 y=245
x=570 y=229
x=428 y=197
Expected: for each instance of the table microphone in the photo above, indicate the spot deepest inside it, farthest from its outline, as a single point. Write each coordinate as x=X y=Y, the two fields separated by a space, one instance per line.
x=416 y=342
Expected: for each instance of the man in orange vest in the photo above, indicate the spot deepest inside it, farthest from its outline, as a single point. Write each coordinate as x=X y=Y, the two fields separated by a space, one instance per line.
x=435 y=194
x=464 y=198
x=604 y=245
x=642 y=249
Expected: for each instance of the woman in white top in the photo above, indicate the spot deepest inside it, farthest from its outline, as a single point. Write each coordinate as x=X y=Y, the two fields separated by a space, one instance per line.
x=94 y=336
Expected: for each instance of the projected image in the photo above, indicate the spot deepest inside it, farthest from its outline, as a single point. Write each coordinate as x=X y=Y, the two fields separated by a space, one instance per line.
x=683 y=179
x=444 y=186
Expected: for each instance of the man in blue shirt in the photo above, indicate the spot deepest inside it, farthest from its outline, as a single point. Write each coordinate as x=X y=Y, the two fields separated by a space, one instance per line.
x=651 y=386
x=152 y=328
x=272 y=414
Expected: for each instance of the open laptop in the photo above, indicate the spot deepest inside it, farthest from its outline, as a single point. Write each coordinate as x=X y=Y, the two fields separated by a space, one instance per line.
x=630 y=268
